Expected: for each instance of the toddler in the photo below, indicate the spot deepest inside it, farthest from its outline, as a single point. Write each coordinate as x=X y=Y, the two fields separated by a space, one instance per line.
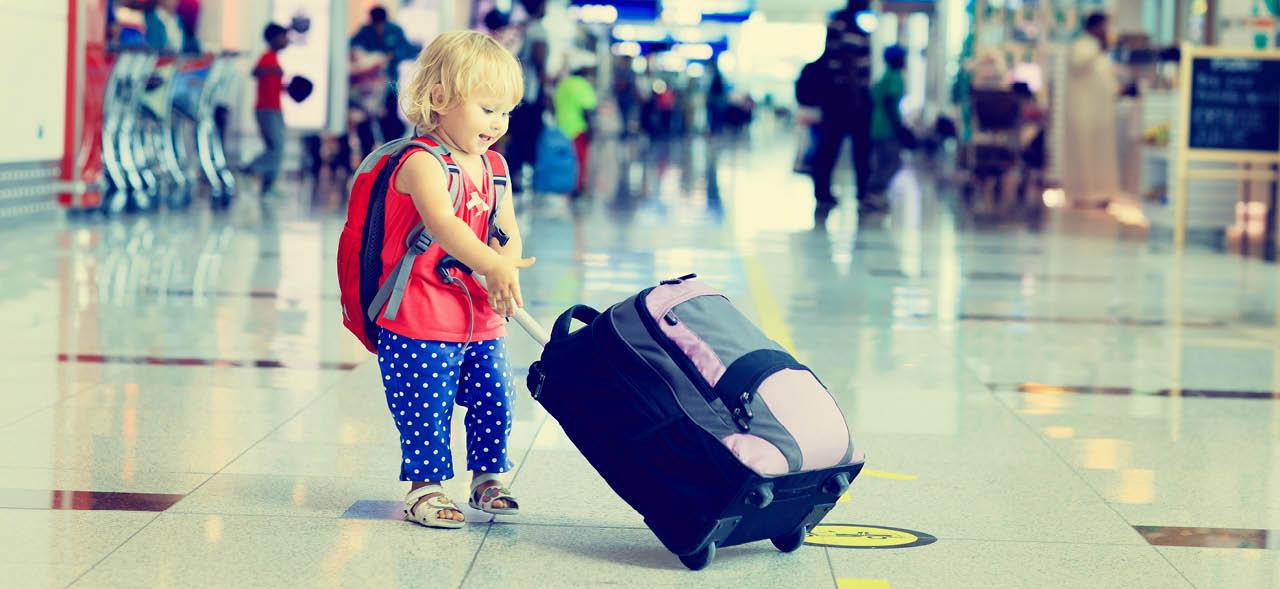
x=442 y=347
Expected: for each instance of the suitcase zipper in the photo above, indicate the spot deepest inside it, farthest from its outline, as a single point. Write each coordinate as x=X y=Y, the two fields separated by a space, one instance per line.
x=741 y=415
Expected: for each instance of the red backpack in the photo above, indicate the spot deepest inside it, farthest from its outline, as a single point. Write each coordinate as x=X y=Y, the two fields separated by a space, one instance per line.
x=364 y=292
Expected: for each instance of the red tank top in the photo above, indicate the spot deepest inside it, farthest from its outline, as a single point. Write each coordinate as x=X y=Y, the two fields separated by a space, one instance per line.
x=431 y=309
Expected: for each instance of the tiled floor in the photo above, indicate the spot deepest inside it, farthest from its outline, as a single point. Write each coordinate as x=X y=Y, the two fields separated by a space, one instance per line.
x=1059 y=403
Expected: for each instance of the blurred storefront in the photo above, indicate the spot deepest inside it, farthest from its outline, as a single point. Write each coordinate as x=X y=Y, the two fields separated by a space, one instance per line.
x=1023 y=42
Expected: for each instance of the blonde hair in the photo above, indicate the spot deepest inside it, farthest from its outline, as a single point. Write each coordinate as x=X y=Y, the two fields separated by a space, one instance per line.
x=460 y=64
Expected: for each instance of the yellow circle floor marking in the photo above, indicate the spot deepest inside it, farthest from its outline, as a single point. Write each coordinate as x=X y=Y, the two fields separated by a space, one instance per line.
x=866 y=536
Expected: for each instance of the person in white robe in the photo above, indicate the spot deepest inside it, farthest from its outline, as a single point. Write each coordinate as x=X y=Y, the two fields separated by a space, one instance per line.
x=1090 y=164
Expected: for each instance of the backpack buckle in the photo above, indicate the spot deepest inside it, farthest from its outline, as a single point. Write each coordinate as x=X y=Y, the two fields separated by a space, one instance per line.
x=420 y=241
x=496 y=232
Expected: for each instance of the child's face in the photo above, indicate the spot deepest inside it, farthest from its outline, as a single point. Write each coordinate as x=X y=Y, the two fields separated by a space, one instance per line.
x=477 y=123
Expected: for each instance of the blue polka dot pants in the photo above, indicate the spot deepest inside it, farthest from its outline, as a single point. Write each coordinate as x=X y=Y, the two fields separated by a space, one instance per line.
x=424 y=379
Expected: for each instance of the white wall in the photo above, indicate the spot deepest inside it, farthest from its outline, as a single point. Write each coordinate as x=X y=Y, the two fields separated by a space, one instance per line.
x=758 y=63
x=33 y=108
x=319 y=55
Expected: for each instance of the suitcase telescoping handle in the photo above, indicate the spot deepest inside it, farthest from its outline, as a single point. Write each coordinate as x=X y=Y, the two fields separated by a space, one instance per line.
x=532 y=327
x=522 y=317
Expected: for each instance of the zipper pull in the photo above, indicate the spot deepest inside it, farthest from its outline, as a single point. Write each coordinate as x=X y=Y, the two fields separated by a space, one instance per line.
x=671 y=318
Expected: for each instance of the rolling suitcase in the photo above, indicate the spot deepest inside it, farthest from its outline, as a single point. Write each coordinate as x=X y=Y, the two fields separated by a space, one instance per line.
x=711 y=431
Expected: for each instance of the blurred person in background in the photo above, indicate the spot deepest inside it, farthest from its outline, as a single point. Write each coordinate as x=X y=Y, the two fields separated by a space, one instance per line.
x=987 y=69
x=382 y=38
x=664 y=100
x=625 y=92
x=717 y=99
x=502 y=27
x=267 y=108
x=366 y=97
x=575 y=103
x=526 y=121
x=164 y=30
x=188 y=12
x=889 y=135
x=690 y=102
x=126 y=24
x=1091 y=174
x=740 y=111
x=843 y=80
x=808 y=115
x=1031 y=134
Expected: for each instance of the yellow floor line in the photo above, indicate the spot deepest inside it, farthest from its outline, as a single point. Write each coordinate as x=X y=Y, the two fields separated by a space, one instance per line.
x=880 y=474
x=771 y=320
x=863 y=584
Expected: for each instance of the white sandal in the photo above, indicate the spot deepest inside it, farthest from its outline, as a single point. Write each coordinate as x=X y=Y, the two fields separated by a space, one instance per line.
x=495 y=492
x=426 y=512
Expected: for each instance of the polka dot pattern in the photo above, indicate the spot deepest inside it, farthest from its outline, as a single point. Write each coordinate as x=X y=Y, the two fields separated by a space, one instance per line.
x=481 y=383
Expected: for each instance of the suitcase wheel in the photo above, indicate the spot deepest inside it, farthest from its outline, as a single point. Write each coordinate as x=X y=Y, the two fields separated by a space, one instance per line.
x=700 y=559
x=791 y=542
x=837 y=485
x=761 y=497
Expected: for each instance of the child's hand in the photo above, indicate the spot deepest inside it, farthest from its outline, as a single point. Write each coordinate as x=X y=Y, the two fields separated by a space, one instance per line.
x=503 y=282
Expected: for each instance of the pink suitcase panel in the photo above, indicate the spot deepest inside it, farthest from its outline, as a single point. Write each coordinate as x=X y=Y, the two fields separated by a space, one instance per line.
x=798 y=401
x=805 y=408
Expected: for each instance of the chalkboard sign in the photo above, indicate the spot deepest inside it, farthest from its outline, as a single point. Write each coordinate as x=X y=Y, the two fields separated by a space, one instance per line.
x=1235 y=104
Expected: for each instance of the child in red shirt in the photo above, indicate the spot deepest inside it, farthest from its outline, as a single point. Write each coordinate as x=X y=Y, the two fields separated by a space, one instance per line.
x=267 y=108
x=443 y=348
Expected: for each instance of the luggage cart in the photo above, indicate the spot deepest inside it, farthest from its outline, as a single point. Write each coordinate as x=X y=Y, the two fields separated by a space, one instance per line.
x=142 y=180
x=188 y=85
x=209 y=147
x=116 y=193
x=156 y=134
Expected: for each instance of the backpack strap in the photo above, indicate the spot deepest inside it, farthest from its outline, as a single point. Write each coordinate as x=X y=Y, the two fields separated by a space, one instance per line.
x=431 y=146
x=499 y=181
x=391 y=291
x=442 y=155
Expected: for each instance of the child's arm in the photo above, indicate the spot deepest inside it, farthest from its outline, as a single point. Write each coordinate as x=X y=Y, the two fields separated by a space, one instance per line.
x=422 y=178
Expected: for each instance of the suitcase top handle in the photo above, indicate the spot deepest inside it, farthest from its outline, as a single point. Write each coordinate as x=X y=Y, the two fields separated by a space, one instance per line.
x=582 y=313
